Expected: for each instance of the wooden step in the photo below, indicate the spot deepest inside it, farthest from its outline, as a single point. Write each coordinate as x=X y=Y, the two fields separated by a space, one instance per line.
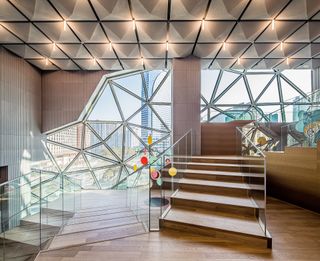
x=220 y=166
x=214 y=175
x=216 y=224
x=239 y=205
x=222 y=159
x=217 y=187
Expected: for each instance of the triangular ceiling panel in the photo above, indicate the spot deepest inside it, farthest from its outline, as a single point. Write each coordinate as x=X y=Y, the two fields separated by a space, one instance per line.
x=27 y=32
x=89 y=32
x=247 y=31
x=222 y=9
x=112 y=9
x=74 y=10
x=37 y=10
x=57 y=32
x=300 y=9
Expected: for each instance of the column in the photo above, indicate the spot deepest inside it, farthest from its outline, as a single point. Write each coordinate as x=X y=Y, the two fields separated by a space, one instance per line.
x=186 y=88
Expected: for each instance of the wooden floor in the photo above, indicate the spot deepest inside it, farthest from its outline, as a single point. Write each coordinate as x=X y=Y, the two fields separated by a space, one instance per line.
x=295 y=232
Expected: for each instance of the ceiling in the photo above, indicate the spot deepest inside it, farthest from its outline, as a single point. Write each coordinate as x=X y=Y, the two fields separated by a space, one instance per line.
x=137 y=34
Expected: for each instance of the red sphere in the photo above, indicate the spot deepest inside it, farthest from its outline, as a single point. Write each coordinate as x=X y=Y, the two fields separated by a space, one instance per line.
x=144 y=160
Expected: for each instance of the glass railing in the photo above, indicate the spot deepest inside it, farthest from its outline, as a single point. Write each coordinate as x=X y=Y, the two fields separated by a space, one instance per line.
x=255 y=172
x=33 y=208
x=150 y=186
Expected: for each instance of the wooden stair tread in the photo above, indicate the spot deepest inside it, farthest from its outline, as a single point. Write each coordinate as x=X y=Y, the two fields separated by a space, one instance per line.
x=216 y=220
x=215 y=183
x=222 y=157
x=212 y=198
x=218 y=164
x=218 y=173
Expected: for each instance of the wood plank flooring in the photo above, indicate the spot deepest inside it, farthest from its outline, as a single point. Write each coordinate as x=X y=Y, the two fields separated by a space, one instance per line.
x=295 y=232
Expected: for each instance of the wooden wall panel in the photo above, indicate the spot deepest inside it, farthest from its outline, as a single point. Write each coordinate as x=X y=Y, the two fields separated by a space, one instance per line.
x=64 y=95
x=20 y=114
x=186 y=91
x=220 y=138
x=294 y=176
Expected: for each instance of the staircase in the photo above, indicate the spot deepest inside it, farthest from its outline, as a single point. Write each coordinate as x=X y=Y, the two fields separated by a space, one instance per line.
x=24 y=241
x=215 y=197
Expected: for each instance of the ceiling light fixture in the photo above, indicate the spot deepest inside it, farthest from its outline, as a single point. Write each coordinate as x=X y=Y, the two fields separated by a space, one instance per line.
x=287 y=61
x=110 y=46
x=167 y=46
x=94 y=61
x=202 y=24
x=224 y=46
x=47 y=61
x=133 y=24
x=54 y=46
x=281 y=46
x=239 y=61
x=272 y=24
x=64 y=25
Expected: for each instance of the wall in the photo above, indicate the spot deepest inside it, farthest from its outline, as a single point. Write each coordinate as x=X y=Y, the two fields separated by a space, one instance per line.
x=20 y=114
x=220 y=138
x=64 y=95
x=186 y=89
x=294 y=176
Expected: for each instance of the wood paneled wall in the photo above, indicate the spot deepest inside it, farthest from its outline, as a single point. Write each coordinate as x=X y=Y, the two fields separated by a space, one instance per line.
x=20 y=114
x=64 y=95
x=186 y=91
x=294 y=176
x=220 y=138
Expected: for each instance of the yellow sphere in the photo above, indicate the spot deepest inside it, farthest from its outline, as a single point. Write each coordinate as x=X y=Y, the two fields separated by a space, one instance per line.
x=173 y=171
x=262 y=141
x=149 y=139
x=135 y=167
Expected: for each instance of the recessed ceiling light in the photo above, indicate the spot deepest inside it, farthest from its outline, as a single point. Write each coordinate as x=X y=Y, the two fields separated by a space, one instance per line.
x=202 y=24
x=272 y=24
x=133 y=24
x=224 y=46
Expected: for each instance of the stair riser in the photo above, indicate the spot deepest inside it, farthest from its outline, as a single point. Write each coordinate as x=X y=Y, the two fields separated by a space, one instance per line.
x=165 y=174
x=222 y=168
x=213 y=177
x=216 y=190
x=255 y=162
x=216 y=233
x=186 y=203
